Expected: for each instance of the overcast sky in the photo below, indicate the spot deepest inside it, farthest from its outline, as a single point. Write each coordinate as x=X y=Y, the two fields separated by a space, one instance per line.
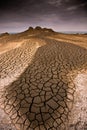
x=61 y=15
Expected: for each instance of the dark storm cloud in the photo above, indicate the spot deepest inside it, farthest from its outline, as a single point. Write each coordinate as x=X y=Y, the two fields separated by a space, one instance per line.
x=58 y=14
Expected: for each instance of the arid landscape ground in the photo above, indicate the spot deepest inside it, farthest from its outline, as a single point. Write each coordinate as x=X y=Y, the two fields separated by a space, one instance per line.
x=43 y=80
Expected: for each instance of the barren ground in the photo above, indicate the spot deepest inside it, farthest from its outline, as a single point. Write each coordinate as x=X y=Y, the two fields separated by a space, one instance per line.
x=43 y=81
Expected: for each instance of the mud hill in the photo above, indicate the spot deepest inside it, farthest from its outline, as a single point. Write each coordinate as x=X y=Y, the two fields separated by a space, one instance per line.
x=8 y=41
x=39 y=30
x=43 y=80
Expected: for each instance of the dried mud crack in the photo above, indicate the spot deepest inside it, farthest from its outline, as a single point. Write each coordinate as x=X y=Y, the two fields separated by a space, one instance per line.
x=37 y=84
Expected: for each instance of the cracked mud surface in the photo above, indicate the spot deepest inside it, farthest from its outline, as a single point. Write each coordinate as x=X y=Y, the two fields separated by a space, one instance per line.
x=37 y=84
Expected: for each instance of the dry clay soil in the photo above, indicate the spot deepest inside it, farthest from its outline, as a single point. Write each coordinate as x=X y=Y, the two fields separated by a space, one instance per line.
x=43 y=83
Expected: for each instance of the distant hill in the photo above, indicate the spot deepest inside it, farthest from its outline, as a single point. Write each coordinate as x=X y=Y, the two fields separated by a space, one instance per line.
x=38 y=29
x=4 y=34
x=30 y=31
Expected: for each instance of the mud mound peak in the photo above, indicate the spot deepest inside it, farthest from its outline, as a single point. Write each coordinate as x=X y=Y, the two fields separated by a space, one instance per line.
x=31 y=29
x=39 y=29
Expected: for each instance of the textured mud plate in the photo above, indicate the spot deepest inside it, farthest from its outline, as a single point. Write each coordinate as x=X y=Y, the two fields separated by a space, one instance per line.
x=42 y=93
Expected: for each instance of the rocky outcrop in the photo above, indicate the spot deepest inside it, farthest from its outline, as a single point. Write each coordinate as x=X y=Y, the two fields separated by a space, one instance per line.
x=39 y=29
